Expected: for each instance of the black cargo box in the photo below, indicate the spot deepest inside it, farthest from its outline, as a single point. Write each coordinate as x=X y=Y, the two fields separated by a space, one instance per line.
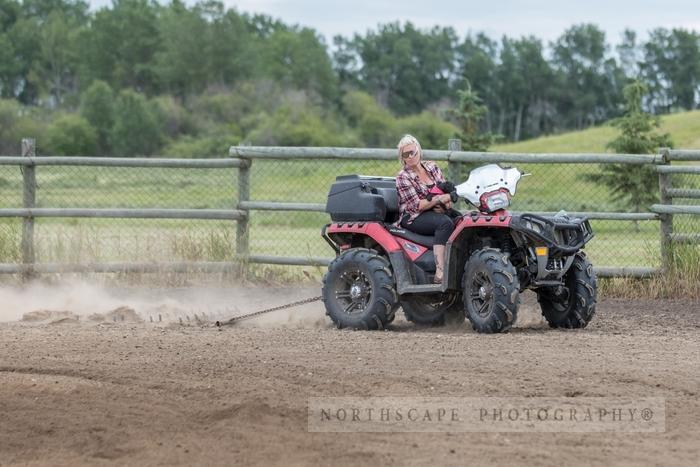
x=363 y=198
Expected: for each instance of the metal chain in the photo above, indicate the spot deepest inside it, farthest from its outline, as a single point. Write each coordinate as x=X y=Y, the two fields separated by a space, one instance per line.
x=235 y=319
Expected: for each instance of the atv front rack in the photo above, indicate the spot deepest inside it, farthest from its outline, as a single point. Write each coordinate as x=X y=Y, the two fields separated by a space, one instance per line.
x=563 y=235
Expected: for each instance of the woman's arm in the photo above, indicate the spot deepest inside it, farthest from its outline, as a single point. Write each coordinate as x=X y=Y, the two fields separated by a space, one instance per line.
x=424 y=204
x=410 y=197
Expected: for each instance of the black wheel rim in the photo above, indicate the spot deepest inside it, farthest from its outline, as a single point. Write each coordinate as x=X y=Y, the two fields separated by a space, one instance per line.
x=481 y=293
x=560 y=301
x=353 y=292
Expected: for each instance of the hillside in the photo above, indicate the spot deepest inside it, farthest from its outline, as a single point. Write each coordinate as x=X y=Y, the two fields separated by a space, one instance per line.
x=684 y=128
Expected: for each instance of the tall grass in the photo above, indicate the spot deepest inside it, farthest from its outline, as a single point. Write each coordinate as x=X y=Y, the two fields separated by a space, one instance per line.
x=680 y=280
x=10 y=242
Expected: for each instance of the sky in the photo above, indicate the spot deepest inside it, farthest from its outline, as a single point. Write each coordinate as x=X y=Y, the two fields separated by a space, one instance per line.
x=545 y=19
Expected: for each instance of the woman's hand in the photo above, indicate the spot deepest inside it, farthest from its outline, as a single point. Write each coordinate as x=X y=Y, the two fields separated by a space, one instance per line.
x=444 y=199
x=444 y=202
x=435 y=203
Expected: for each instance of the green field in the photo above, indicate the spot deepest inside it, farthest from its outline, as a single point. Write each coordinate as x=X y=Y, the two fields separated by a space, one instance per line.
x=684 y=128
x=550 y=188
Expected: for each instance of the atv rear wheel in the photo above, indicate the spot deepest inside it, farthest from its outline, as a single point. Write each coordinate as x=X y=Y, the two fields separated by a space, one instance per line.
x=491 y=291
x=358 y=290
x=573 y=306
x=432 y=310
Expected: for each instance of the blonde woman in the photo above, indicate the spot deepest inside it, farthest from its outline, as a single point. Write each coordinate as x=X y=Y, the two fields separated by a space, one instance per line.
x=419 y=210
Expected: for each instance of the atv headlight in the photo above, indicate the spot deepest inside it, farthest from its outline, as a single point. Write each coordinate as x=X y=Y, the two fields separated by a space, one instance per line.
x=495 y=200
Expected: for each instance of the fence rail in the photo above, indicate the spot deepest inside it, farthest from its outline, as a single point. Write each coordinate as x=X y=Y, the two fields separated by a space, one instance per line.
x=33 y=160
x=682 y=154
x=243 y=158
x=281 y=153
x=223 y=214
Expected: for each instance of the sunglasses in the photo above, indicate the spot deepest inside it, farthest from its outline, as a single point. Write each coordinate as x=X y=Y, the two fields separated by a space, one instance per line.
x=407 y=154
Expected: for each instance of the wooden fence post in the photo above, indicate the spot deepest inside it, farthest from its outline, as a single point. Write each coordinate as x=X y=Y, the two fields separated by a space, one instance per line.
x=665 y=184
x=28 y=202
x=453 y=166
x=242 y=225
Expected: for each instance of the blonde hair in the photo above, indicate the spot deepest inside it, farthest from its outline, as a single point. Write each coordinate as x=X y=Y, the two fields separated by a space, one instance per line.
x=405 y=141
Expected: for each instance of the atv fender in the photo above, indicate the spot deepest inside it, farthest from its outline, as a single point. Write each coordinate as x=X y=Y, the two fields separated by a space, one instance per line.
x=475 y=220
x=374 y=230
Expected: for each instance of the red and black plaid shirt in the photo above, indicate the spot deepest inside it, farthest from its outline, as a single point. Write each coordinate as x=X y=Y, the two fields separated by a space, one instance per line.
x=411 y=190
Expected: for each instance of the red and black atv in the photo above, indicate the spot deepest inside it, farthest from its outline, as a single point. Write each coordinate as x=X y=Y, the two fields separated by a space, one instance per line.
x=491 y=257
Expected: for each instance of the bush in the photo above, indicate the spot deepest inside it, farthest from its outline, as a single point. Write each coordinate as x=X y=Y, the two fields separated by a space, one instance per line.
x=71 y=135
x=431 y=131
x=293 y=125
x=173 y=119
x=246 y=99
x=17 y=122
x=136 y=131
x=375 y=126
x=201 y=147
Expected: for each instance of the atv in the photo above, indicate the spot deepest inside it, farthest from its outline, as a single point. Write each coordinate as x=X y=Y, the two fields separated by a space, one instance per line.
x=492 y=256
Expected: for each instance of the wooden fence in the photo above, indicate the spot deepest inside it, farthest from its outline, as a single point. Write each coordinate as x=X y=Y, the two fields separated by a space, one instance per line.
x=243 y=157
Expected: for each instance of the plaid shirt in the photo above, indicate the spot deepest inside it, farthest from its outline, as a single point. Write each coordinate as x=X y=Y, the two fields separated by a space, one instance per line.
x=411 y=190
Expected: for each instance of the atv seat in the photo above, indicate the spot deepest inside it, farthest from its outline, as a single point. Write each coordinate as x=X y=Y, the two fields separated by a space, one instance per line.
x=414 y=237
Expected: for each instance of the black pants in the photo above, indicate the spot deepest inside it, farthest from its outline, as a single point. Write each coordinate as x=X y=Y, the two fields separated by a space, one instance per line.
x=431 y=223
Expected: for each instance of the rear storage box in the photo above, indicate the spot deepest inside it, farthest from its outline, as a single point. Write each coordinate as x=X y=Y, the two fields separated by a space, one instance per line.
x=362 y=198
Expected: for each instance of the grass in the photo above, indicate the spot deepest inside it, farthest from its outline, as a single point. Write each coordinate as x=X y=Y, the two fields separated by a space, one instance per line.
x=682 y=280
x=684 y=128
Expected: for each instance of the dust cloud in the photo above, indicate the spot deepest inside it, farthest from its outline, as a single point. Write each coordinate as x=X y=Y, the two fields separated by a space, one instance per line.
x=90 y=302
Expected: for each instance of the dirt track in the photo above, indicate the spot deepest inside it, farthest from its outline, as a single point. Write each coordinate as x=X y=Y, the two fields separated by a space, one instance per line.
x=140 y=393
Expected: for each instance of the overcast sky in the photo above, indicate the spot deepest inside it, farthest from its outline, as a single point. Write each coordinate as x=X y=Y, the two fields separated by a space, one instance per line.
x=545 y=19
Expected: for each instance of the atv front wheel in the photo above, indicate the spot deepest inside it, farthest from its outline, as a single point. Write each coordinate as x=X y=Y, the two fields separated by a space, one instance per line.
x=432 y=310
x=491 y=291
x=358 y=290
x=573 y=305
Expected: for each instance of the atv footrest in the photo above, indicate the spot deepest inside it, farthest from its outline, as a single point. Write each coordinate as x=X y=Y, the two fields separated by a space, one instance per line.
x=422 y=288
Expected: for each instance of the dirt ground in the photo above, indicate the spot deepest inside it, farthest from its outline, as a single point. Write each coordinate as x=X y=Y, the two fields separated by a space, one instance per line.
x=100 y=384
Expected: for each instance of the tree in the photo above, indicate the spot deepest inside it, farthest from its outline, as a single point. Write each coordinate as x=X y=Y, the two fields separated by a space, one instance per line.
x=635 y=186
x=120 y=45
x=672 y=68
x=136 y=128
x=58 y=59
x=97 y=107
x=406 y=69
x=630 y=53
x=298 y=59
x=477 y=57
x=232 y=50
x=9 y=68
x=26 y=47
x=589 y=80
x=468 y=115
x=44 y=39
x=181 y=61
x=533 y=113
x=346 y=62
